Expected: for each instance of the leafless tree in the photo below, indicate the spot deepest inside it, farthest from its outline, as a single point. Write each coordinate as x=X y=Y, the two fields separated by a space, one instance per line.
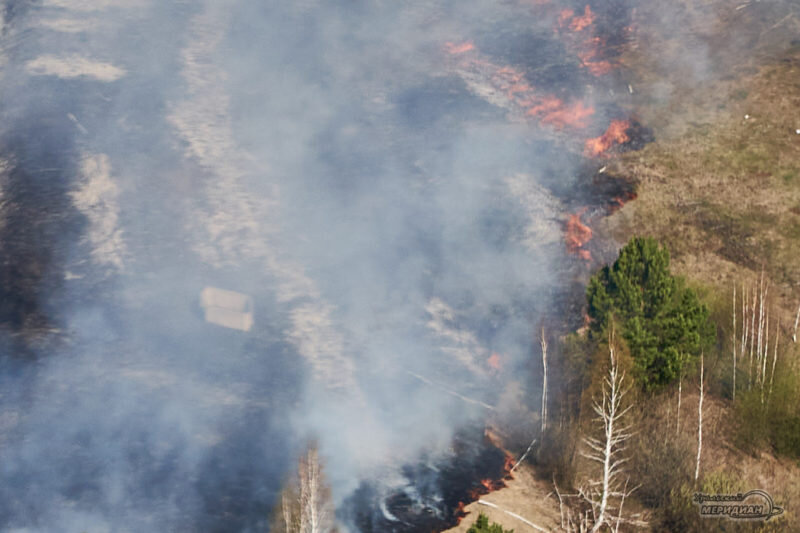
x=752 y=339
x=316 y=513
x=289 y=512
x=544 y=380
x=761 y=297
x=305 y=505
x=774 y=360
x=755 y=331
x=733 y=341
x=745 y=324
x=699 y=421
x=608 y=448
x=762 y=369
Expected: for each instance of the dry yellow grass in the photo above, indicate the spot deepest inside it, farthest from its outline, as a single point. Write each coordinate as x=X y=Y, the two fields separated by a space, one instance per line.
x=724 y=197
x=526 y=496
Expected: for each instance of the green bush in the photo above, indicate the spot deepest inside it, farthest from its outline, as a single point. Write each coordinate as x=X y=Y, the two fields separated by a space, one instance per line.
x=482 y=525
x=663 y=322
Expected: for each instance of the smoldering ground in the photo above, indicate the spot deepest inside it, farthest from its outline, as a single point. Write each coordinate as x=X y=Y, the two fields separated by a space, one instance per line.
x=393 y=210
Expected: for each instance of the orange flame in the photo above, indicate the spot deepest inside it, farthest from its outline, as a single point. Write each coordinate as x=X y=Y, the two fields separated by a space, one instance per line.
x=574 y=116
x=494 y=362
x=460 y=512
x=508 y=464
x=577 y=235
x=455 y=49
x=523 y=97
x=565 y=16
x=584 y=21
x=615 y=134
x=591 y=50
x=620 y=201
x=485 y=487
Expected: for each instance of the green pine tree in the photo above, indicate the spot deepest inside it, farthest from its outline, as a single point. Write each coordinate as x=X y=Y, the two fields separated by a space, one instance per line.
x=663 y=322
x=482 y=525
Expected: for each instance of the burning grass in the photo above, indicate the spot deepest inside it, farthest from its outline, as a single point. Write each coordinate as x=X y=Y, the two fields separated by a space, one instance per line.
x=511 y=89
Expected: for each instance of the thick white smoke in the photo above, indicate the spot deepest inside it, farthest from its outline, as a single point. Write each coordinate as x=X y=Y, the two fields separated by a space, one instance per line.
x=394 y=215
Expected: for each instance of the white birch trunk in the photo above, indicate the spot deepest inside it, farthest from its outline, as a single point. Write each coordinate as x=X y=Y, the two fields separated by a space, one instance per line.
x=315 y=511
x=733 y=341
x=796 y=319
x=752 y=340
x=745 y=324
x=605 y=450
x=764 y=357
x=760 y=325
x=286 y=508
x=699 y=422
x=774 y=359
x=544 y=381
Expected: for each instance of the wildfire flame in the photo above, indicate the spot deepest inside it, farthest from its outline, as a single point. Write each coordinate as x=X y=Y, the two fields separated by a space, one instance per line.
x=460 y=512
x=584 y=21
x=485 y=487
x=615 y=134
x=520 y=94
x=565 y=16
x=590 y=49
x=455 y=49
x=621 y=200
x=577 y=235
x=508 y=464
x=575 y=115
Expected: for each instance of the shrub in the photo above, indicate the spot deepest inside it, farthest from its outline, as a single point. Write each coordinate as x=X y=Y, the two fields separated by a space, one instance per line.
x=482 y=525
x=659 y=463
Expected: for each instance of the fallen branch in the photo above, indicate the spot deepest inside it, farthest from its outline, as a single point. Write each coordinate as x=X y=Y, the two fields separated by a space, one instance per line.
x=449 y=391
x=524 y=455
x=514 y=515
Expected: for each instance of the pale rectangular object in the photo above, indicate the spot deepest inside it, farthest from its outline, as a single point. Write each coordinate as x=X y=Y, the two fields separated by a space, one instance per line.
x=227 y=308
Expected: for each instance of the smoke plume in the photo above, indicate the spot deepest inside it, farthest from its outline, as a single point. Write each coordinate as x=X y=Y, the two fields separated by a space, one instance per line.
x=379 y=188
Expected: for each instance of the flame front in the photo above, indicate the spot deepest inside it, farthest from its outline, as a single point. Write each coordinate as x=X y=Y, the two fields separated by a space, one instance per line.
x=578 y=34
x=584 y=21
x=517 y=94
x=576 y=237
x=617 y=133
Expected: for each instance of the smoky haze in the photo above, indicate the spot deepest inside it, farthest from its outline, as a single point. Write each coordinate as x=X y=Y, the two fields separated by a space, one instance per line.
x=393 y=211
